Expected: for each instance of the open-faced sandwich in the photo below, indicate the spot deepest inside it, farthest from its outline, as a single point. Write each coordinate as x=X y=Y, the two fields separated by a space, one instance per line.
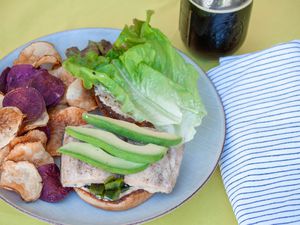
x=117 y=114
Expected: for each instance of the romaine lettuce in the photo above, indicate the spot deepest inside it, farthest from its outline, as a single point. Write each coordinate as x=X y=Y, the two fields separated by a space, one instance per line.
x=148 y=77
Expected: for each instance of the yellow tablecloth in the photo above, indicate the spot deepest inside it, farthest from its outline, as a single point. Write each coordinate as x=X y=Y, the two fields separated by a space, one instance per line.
x=272 y=22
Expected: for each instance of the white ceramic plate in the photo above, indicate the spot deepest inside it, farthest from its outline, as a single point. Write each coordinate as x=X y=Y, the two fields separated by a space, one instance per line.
x=200 y=158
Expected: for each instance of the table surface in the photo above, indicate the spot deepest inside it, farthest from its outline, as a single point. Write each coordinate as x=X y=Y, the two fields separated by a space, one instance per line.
x=272 y=22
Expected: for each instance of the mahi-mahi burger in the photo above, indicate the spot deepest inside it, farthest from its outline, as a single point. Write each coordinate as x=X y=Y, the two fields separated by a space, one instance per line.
x=158 y=177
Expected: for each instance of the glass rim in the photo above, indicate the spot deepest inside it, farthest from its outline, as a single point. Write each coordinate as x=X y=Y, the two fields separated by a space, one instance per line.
x=220 y=11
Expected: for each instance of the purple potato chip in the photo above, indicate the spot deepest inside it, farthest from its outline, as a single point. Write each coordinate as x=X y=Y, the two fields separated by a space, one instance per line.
x=49 y=170
x=52 y=191
x=20 y=76
x=49 y=86
x=3 y=78
x=28 y=100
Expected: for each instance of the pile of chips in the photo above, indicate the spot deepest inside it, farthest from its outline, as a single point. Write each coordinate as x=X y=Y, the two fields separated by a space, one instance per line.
x=38 y=98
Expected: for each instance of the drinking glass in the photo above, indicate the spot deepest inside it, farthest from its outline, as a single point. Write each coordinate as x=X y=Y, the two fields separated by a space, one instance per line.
x=214 y=27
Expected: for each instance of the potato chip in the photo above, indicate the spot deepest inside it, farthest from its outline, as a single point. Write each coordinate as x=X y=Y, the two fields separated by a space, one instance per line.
x=40 y=122
x=80 y=97
x=1 y=100
x=64 y=75
x=3 y=153
x=10 y=121
x=52 y=191
x=51 y=88
x=57 y=131
x=28 y=100
x=55 y=109
x=23 y=178
x=20 y=76
x=33 y=152
x=3 y=81
x=46 y=130
x=66 y=78
x=48 y=62
x=31 y=136
x=59 y=119
x=70 y=116
x=40 y=54
x=63 y=100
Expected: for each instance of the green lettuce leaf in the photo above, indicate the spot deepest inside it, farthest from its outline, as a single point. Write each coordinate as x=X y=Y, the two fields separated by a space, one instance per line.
x=148 y=77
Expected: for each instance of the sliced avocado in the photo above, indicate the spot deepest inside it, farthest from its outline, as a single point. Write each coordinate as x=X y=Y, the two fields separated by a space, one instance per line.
x=132 y=131
x=115 y=146
x=97 y=157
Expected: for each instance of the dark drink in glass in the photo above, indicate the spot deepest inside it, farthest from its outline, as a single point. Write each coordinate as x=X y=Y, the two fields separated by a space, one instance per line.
x=214 y=27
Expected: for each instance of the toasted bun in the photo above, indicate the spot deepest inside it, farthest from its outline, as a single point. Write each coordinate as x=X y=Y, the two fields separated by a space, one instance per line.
x=131 y=200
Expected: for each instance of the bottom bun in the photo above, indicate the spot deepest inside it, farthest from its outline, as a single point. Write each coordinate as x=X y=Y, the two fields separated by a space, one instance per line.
x=131 y=200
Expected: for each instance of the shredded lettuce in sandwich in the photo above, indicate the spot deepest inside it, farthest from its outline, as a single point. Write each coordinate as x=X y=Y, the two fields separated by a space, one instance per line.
x=148 y=77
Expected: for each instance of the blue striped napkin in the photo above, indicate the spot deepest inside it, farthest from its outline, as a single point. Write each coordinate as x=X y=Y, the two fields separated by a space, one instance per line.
x=260 y=165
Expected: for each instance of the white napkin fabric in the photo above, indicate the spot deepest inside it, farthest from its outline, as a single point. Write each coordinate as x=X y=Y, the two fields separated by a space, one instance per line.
x=260 y=165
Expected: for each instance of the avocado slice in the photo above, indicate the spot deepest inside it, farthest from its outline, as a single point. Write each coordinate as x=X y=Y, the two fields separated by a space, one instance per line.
x=97 y=157
x=115 y=146
x=132 y=131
